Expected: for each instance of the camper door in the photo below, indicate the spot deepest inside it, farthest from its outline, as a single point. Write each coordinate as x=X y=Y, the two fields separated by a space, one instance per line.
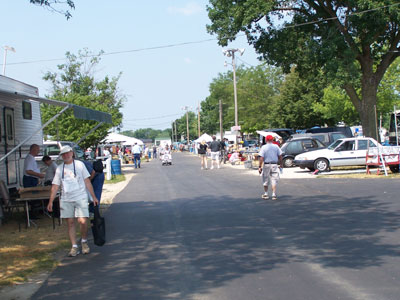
x=9 y=143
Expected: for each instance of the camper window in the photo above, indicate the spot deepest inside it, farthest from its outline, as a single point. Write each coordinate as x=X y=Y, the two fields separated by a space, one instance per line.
x=27 y=110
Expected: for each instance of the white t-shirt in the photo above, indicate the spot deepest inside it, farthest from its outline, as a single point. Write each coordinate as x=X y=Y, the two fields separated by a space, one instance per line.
x=106 y=153
x=136 y=149
x=30 y=164
x=72 y=186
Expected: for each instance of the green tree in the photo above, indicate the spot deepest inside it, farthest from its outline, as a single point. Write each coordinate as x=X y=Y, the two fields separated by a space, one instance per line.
x=75 y=83
x=51 y=4
x=148 y=133
x=256 y=89
x=337 y=106
x=353 y=42
x=294 y=106
x=181 y=128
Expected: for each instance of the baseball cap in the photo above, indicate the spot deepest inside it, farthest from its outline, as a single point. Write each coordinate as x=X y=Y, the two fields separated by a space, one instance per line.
x=65 y=149
x=270 y=138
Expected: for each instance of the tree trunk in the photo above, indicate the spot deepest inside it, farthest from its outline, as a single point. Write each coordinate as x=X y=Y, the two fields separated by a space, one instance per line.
x=367 y=109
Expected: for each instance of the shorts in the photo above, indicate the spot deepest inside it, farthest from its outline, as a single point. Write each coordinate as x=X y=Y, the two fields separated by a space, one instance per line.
x=74 y=209
x=270 y=174
x=214 y=155
x=202 y=154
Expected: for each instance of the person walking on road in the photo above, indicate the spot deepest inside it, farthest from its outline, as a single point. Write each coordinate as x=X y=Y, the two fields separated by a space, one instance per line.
x=154 y=151
x=222 y=157
x=137 y=152
x=215 y=147
x=73 y=178
x=270 y=155
x=203 y=154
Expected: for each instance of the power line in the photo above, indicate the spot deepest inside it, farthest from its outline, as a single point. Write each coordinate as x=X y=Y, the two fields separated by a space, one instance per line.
x=149 y=125
x=347 y=15
x=153 y=118
x=245 y=62
x=200 y=41
x=120 y=52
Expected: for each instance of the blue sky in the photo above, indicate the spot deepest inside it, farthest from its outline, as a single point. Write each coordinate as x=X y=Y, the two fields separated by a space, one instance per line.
x=156 y=82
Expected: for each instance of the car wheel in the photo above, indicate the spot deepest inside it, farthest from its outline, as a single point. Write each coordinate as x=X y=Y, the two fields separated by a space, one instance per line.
x=394 y=169
x=288 y=162
x=321 y=164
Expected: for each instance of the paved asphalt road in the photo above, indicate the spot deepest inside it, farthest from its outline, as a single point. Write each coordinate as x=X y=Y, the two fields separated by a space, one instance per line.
x=180 y=233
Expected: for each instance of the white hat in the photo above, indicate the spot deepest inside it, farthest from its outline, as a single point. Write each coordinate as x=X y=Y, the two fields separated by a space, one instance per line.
x=65 y=149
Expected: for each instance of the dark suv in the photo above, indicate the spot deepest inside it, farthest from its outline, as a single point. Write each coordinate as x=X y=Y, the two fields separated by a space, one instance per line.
x=325 y=137
x=295 y=146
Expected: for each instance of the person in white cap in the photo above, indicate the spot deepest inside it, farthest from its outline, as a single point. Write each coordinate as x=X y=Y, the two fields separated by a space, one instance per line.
x=74 y=180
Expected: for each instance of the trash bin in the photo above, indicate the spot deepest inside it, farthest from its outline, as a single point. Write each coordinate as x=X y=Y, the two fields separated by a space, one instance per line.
x=116 y=167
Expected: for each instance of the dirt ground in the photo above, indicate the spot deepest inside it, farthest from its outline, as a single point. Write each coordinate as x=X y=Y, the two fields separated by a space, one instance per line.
x=24 y=290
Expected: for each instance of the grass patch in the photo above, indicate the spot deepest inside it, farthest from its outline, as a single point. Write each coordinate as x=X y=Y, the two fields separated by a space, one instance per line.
x=362 y=175
x=115 y=179
x=30 y=251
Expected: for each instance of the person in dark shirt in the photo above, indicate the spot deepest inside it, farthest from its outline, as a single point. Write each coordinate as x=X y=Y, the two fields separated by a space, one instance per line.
x=222 y=157
x=203 y=154
x=215 y=147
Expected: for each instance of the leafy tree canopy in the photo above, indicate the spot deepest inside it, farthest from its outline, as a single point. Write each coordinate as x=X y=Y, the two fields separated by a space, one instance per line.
x=75 y=83
x=147 y=133
x=353 y=42
x=53 y=4
x=256 y=89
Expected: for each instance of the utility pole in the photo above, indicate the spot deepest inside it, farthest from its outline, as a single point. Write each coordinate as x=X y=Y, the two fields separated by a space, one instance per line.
x=172 y=133
x=176 y=136
x=220 y=120
x=231 y=53
x=198 y=119
x=186 y=108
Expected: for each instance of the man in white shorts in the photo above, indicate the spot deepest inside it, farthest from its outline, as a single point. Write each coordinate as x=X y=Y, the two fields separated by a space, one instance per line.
x=215 y=147
x=269 y=157
x=73 y=178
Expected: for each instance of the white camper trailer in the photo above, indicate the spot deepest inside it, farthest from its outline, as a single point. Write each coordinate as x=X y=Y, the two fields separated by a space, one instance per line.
x=19 y=119
x=21 y=126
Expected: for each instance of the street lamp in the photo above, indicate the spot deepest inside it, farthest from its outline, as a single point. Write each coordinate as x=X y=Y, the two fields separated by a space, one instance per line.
x=231 y=53
x=6 y=48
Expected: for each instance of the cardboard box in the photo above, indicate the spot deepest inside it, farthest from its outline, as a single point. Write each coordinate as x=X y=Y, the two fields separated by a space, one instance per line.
x=35 y=192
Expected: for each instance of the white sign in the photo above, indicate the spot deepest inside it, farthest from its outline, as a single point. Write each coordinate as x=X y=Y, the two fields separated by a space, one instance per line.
x=235 y=128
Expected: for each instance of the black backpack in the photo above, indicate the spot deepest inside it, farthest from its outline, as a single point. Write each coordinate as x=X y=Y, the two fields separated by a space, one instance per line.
x=98 y=166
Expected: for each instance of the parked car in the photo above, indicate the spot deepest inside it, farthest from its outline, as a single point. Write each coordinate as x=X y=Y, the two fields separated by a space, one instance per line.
x=295 y=146
x=325 y=137
x=53 y=148
x=343 y=152
x=343 y=129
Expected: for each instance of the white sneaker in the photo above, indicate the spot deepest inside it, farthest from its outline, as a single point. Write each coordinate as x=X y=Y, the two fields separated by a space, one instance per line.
x=274 y=197
x=202 y=168
x=212 y=167
x=219 y=167
x=265 y=196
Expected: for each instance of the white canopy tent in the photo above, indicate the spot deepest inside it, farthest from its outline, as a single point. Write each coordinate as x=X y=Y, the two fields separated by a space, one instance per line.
x=120 y=138
x=204 y=137
x=265 y=133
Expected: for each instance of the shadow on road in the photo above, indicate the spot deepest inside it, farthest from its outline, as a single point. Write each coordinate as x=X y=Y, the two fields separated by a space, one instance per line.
x=185 y=247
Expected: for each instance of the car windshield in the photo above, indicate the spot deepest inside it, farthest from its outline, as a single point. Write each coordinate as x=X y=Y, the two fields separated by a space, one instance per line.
x=334 y=144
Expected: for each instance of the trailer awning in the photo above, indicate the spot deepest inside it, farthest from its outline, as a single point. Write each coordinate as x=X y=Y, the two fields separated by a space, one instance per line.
x=80 y=112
